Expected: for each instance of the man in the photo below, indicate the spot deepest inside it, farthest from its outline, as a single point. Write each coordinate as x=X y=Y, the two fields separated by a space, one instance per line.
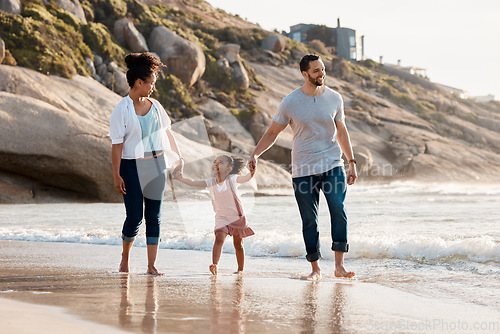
x=316 y=115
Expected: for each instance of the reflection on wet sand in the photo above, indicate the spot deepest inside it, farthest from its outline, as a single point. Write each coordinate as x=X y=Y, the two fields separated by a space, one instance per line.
x=310 y=310
x=339 y=308
x=312 y=317
x=150 y=320
x=125 y=313
x=228 y=315
x=150 y=313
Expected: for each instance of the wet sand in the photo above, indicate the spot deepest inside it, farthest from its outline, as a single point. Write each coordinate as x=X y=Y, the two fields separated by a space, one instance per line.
x=82 y=282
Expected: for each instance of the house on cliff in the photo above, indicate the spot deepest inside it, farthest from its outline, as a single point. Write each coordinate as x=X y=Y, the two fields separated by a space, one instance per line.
x=342 y=42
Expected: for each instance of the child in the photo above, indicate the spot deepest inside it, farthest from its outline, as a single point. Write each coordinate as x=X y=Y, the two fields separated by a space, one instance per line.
x=229 y=215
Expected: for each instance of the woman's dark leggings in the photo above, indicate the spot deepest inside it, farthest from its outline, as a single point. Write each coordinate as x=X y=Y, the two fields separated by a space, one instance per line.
x=144 y=186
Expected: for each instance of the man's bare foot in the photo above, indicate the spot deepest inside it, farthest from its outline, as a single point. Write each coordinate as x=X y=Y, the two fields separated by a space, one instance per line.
x=124 y=267
x=153 y=271
x=213 y=269
x=239 y=272
x=341 y=272
x=314 y=276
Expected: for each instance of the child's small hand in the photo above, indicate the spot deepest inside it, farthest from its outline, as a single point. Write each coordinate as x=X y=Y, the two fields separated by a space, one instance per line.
x=252 y=168
x=177 y=175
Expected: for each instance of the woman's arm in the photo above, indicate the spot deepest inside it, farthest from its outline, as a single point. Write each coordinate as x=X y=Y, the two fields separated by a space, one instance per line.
x=175 y=148
x=173 y=143
x=116 y=157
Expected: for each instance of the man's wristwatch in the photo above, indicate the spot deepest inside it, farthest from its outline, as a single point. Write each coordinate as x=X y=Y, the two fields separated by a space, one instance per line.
x=352 y=160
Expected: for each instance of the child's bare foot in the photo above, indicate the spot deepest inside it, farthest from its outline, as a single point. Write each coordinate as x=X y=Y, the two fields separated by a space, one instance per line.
x=314 y=276
x=153 y=271
x=124 y=267
x=213 y=269
x=342 y=272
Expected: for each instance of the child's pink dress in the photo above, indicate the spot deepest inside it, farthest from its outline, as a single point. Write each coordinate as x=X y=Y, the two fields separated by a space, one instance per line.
x=226 y=213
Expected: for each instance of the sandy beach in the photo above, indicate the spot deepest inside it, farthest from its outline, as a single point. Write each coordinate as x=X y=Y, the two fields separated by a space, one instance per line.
x=76 y=286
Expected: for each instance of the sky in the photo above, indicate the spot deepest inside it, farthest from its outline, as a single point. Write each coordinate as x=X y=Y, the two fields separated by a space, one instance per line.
x=456 y=41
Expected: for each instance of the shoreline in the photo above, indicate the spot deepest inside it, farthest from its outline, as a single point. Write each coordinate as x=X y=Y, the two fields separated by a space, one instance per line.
x=14 y=195
x=82 y=280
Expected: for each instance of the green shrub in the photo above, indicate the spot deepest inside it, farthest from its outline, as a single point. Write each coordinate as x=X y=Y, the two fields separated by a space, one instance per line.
x=318 y=46
x=175 y=97
x=433 y=117
x=108 y=11
x=9 y=59
x=369 y=63
x=248 y=39
x=99 y=39
x=218 y=79
x=244 y=115
x=45 y=39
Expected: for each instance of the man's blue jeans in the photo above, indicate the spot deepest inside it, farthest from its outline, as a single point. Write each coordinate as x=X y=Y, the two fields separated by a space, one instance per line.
x=307 y=189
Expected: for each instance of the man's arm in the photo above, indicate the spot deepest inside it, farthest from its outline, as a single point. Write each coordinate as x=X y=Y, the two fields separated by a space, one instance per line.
x=345 y=145
x=267 y=140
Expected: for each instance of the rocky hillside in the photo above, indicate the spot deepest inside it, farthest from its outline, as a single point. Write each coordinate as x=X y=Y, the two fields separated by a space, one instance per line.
x=63 y=72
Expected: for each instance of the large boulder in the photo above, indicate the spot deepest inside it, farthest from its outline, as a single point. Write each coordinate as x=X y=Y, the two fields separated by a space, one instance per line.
x=74 y=7
x=11 y=6
x=232 y=53
x=115 y=79
x=53 y=131
x=219 y=138
x=128 y=35
x=183 y=58
x=274 y=43
x=61 y=149
x=242 y=141
x=2 y=50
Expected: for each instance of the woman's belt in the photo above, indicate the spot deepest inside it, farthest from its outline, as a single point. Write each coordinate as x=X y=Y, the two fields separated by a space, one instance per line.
x=154 y=154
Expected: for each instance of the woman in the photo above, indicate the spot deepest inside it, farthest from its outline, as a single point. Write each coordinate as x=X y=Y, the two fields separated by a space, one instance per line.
x=143 y=147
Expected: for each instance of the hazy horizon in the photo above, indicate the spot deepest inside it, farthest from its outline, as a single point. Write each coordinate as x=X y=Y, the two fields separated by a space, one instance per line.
x=457 y=42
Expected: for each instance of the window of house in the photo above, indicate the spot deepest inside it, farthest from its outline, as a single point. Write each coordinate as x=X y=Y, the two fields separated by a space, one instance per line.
x=352 y=41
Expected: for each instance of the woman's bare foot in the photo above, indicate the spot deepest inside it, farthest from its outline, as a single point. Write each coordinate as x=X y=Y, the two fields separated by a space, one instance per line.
x=153 y=271
x=342 y=272
x=314 y=276
x=213 y=269
x=124 y=267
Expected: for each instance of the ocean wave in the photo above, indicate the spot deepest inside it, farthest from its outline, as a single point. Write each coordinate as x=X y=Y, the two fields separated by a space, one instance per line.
x=482 y=249
x=414 y=187
x=428 y=250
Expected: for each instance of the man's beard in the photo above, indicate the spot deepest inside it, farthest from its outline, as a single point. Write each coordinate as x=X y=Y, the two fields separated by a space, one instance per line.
x=315 y=81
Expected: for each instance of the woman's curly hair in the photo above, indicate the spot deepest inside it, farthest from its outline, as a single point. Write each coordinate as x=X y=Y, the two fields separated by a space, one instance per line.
x=142 y=66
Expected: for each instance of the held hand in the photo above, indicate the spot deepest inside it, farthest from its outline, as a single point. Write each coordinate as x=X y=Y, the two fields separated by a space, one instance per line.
x=252 y=171
x=179 y=168
x=120 y=185
x=352 y=175
x=252 y=164
x=177 y=175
